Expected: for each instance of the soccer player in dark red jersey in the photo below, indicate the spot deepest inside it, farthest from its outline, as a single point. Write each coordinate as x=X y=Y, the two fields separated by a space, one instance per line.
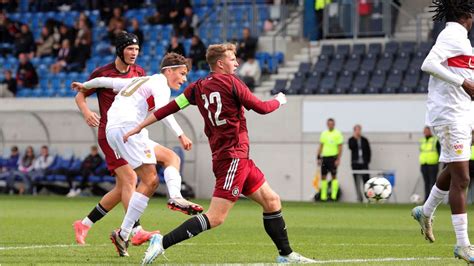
x=221 y=98
x=127 y=49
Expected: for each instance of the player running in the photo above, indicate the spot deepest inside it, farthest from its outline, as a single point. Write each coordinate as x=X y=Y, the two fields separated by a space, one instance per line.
x=127 y=49
x=448 y=113
x=127 y=111
x=220 y=98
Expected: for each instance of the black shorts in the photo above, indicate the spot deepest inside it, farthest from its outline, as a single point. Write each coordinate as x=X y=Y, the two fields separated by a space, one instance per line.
x=329 y=166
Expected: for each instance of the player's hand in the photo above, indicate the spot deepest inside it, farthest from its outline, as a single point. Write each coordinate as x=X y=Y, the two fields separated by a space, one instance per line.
x=131 y=133
x=337 y=162
x=77 y=86
x=281 y=98
x=468 y=86
x=92 y=118
x=186 y=143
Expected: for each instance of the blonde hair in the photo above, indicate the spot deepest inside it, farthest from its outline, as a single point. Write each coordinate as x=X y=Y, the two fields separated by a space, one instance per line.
x=217 y=51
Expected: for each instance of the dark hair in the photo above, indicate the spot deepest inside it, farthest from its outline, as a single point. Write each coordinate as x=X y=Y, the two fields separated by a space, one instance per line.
x=331 y=120
x=173 y=59
x=123 y=40
x=14 y=148
x=452 y=10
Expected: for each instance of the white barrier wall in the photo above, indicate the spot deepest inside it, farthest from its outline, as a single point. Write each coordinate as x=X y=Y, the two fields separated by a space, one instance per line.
x=283 y=144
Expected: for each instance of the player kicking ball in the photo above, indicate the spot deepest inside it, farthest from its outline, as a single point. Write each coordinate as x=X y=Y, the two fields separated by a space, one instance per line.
x=221 y=99
x=129 y=108
x=127 y=48
x=448 y=113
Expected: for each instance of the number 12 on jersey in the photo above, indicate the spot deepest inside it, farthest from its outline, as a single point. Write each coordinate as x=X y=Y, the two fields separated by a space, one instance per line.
x=214 y=98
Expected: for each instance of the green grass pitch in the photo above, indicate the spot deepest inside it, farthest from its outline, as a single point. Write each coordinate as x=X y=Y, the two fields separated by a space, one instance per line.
x=38 y=231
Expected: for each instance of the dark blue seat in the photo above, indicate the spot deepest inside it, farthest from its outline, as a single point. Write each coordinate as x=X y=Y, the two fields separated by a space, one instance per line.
x=360 y=82
x=391 y=47
x=375 y=48
x=304 y=69
x=322 y=63
x=296 y=85
x=359 y=49
x=377 y=81
x=311 y=84
x=402 y=61
x=394 y=81
x=343 y=50
x=336 y=63
x=352 y=63
x=327 y=50
x=423 y=84
x=343 y=83
x=368 y=64
x=385 y=62
x=410 y=82
x=408 y=47
x=280 y=86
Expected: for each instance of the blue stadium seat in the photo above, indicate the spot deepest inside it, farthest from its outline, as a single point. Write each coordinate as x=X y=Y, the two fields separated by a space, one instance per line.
x=423 y=84
x=327 y=50
x=425 y=47
x=280 y=57
x=312 y=83
x=360 y=82
x=296 y=85
x=393 y=82
x=336 y=63
x=402 y=61
x=343 y=83
x=353 y=63
x=280 y=86
x=385 y=62
x=408 y=47
x=322 y=64
x=359 y=49
x=391 y=48
x=375 y=48
x=368 y=64
x=328 y=83
x=304 y=69
x=410 y=82
x=377 y=81
x=343 y=49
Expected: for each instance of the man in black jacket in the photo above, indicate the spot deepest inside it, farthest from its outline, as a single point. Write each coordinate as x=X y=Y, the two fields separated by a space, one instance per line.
x=360 y=158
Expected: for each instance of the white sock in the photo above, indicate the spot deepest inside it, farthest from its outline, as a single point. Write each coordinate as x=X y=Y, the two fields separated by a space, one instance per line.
x=434 y=199
x=460 y=228
x=173 y=182
x=136 y=207
x=87 y=221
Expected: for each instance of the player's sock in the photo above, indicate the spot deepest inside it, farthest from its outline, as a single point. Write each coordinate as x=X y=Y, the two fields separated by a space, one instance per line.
x=324 y=189
x=334 y=189
x=435 y=198
x=276 y=229
x=96 y=214
x=136 y=207
x=192 y=227
x=460 y=228
x=173 y=182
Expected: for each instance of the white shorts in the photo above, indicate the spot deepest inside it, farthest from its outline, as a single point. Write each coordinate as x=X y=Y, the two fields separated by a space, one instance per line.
x=455 y=142
x=138 y=150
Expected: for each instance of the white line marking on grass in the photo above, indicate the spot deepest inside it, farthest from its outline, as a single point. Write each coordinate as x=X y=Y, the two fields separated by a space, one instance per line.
x=319 y=244
x=47 y=246
x=377 y=260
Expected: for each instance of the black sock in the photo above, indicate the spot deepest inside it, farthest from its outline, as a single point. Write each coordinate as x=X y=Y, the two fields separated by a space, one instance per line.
x=97 y=213
x=192 y=227
x=137 y=223
x=276 y=229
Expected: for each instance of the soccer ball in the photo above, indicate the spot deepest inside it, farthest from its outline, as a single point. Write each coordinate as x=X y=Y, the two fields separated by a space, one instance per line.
x=415 y=198
x=377 y=189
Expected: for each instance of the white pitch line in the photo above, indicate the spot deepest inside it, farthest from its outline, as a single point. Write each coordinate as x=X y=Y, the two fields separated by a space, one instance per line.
x=377 y=260
x=46 y=246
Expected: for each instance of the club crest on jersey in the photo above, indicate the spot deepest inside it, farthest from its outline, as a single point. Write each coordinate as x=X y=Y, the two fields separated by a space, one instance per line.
x=458 y=147
x=148 y=153
x=235 y=192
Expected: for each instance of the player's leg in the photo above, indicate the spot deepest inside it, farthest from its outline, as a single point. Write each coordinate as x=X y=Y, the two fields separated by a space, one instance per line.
x=257 y=189
x=171 y=163
x=274 y=224
x=334 y=181
x=323 y=194
x=215 y=216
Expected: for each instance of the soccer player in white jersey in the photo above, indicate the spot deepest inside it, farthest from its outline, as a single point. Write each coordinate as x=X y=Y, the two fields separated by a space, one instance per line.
x=127 y=111
x=450 y=91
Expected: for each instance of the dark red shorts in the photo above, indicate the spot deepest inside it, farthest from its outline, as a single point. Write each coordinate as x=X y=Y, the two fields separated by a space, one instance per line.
x=110 y=157
x=236 y=176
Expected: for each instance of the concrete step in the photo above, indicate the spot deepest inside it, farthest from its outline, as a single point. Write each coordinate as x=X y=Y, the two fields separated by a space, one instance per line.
x=268 y=83
x=410 y=36
x=424 y=27
x=304 y=57
x=293 y=63
x=281 y=75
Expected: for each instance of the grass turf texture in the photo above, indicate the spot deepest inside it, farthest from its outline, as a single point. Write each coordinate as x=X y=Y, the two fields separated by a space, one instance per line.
x=333 y=233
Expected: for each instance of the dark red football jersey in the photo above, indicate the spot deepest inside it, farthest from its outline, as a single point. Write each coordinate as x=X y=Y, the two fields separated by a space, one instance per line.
x=106 y=97
x=220 y=99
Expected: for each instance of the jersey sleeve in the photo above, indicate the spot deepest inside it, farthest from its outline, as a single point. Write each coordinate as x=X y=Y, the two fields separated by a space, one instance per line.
x=444 y=48
x=250 y=101
x=322 y=138
x=340 y=138
x=161 y=94
x=110 y=83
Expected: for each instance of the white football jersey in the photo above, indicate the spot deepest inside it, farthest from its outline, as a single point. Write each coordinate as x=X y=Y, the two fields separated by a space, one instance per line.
x=130 y=106
x=449 y=62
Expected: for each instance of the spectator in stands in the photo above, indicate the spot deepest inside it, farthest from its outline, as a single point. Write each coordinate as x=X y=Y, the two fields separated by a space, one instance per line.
x=247 y=47
x=64 y=33
x=175 y=46
x=24 y=41
x=41 y=167
x=83 y=32
x=64 y=55
x=25 y=166
x=161 y=15
x=197 y=53
x=116 y=24
x=83 y=17
x=26 y=76
x=360 y=159
x=45 y=43
x=188 y=23
x=88 y=167
x=365 y=12
x=429 y=155
x=8 y=85
x=137 y=31
x=9 y=5
x=250 y=73
x=6 y=34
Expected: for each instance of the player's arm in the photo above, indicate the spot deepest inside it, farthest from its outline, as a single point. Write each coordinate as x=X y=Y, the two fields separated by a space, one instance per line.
x=102 y=82
x=92 y=118
x=251 y=102
x=318 y=154
x=433 y=65
x=172 y=107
